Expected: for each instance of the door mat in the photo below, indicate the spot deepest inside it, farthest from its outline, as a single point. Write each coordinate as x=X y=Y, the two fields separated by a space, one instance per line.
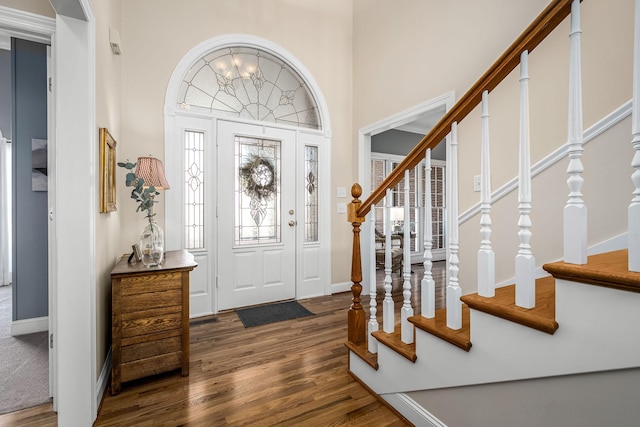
x=272 y=313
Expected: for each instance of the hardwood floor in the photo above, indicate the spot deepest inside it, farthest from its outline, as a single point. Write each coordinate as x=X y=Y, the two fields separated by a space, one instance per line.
x=287 y=373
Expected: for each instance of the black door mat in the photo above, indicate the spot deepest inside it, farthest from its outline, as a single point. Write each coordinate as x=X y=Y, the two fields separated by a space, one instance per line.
x=271 y=313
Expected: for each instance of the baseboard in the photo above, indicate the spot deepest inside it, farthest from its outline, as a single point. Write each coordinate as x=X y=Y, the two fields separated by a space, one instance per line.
x=411 y=410
x=337 y=288
x=103 y=379
x=29 y=326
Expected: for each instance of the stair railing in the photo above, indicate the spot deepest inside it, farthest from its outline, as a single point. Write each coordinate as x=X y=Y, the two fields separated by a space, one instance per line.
x=575 y=211
x=537 y=31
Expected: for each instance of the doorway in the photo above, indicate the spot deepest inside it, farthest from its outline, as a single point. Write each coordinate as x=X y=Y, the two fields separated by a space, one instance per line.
x=260 y=234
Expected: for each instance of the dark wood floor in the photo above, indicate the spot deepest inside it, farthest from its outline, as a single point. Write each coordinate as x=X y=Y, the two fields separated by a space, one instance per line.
x=287 y=373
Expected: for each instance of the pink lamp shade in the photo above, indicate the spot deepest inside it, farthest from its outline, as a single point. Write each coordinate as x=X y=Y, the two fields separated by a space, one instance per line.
x=151 y=170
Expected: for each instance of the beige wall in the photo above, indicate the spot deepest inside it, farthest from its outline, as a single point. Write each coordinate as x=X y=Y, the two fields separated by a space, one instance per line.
x=157 y=34
x=39 y=7
x=108 y=108
x=422 y=49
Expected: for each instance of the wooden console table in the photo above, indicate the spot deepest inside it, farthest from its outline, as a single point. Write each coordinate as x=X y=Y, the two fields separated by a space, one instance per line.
x=150 y=314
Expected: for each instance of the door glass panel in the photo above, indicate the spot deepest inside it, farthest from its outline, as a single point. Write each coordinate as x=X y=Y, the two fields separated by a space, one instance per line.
x=257 y=191
x=311 y=194
x=194 y=189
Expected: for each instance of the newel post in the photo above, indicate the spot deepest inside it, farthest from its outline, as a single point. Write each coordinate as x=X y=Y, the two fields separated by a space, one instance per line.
x=357 y=320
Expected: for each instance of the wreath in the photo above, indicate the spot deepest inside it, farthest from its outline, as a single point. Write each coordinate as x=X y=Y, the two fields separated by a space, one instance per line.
x=258 y=178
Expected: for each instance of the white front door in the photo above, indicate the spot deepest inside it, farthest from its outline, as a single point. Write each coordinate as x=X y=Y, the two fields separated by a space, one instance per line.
x=257 y=214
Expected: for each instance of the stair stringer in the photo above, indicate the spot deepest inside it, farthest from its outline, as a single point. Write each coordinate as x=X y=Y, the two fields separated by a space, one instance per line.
x=598 y=332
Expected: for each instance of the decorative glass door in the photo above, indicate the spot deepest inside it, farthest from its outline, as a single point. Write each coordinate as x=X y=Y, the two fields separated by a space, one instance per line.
x=257 y=214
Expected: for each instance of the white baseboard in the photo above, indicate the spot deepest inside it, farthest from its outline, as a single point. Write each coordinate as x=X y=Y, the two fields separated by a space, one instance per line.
x=103 y=379
x=29 y=326
x=412 y=411
x=336 y=288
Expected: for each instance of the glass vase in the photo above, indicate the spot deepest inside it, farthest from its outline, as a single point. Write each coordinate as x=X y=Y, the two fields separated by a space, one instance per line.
x=152 y=245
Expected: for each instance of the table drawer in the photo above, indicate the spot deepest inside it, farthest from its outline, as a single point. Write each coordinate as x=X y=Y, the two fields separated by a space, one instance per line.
x=150 y=349
x=151 y=283
x=150 y=325
x=144 y=301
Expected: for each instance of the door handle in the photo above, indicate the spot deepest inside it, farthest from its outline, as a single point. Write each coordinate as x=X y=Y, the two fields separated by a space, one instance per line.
x=292 y=223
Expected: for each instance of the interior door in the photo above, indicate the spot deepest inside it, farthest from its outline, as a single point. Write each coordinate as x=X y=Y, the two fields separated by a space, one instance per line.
x=256 y=212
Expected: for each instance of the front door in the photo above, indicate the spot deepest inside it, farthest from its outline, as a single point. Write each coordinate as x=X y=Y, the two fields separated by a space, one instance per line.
x=256 y=214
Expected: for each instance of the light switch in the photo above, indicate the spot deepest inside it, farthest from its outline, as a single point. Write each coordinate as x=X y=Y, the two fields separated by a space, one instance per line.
x=476 y=183
x=342 y=208
x=342 y=192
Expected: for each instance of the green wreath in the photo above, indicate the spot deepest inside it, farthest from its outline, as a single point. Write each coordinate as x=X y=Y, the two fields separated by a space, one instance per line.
x=258 y=176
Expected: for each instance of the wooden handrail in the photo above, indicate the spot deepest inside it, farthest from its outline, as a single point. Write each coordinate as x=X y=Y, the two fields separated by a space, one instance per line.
x=540 y=28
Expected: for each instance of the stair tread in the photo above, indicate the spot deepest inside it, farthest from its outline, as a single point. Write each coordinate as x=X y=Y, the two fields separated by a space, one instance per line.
x=542 y=317
x=608 y=269
x=361 y=351
x=438 y=326
x=394 y=342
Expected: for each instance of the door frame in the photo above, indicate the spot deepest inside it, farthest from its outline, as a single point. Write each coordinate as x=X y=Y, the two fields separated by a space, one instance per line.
x=365 y=133
x=173 y=215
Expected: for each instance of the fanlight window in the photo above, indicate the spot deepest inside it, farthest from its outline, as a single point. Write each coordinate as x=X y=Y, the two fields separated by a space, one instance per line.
x=251 y=84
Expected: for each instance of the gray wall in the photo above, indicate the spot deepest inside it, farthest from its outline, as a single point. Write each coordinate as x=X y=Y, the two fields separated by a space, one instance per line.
x=589 y=400
x=29 y=95
x=400 y=142
x=5 y=93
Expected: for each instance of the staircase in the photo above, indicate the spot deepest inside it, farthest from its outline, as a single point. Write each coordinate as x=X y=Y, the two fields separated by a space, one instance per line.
x=577 y=316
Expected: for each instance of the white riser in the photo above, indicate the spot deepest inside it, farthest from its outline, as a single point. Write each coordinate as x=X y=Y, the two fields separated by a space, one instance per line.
x=598 y=331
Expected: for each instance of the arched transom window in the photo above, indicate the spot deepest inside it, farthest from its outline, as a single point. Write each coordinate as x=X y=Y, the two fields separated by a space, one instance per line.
x=251 y=84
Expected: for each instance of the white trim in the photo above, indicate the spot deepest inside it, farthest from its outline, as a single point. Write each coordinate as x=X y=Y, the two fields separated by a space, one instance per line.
x=25 y=25
x=29 y=326
x=76 y=211
x=411 y=410
x=337 y=288
x=554 y=157
x=103 y=379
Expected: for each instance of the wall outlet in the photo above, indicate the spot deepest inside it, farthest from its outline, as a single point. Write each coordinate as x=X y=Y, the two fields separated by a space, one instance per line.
x=476 y=183
x=342 y=208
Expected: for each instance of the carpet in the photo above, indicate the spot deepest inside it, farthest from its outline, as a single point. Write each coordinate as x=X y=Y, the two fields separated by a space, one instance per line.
x=271 y=313
x=24 y=363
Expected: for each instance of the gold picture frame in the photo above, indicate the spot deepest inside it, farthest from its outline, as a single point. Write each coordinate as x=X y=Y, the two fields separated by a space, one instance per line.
x=107 y=171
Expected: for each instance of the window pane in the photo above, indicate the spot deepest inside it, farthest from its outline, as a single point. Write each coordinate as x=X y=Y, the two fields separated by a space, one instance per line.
x=251 y=84
x=257 y=190
x=194 y=189
x=311 y=194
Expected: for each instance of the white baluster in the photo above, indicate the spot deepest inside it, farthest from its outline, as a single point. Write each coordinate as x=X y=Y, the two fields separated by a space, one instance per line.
x=634 y=207
x=388 y=320
x=525 y=261
x=454 y=305
x=575 y=211
x=372 y=326
x=486 y=256
x=406 y=311
x=428 y=289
